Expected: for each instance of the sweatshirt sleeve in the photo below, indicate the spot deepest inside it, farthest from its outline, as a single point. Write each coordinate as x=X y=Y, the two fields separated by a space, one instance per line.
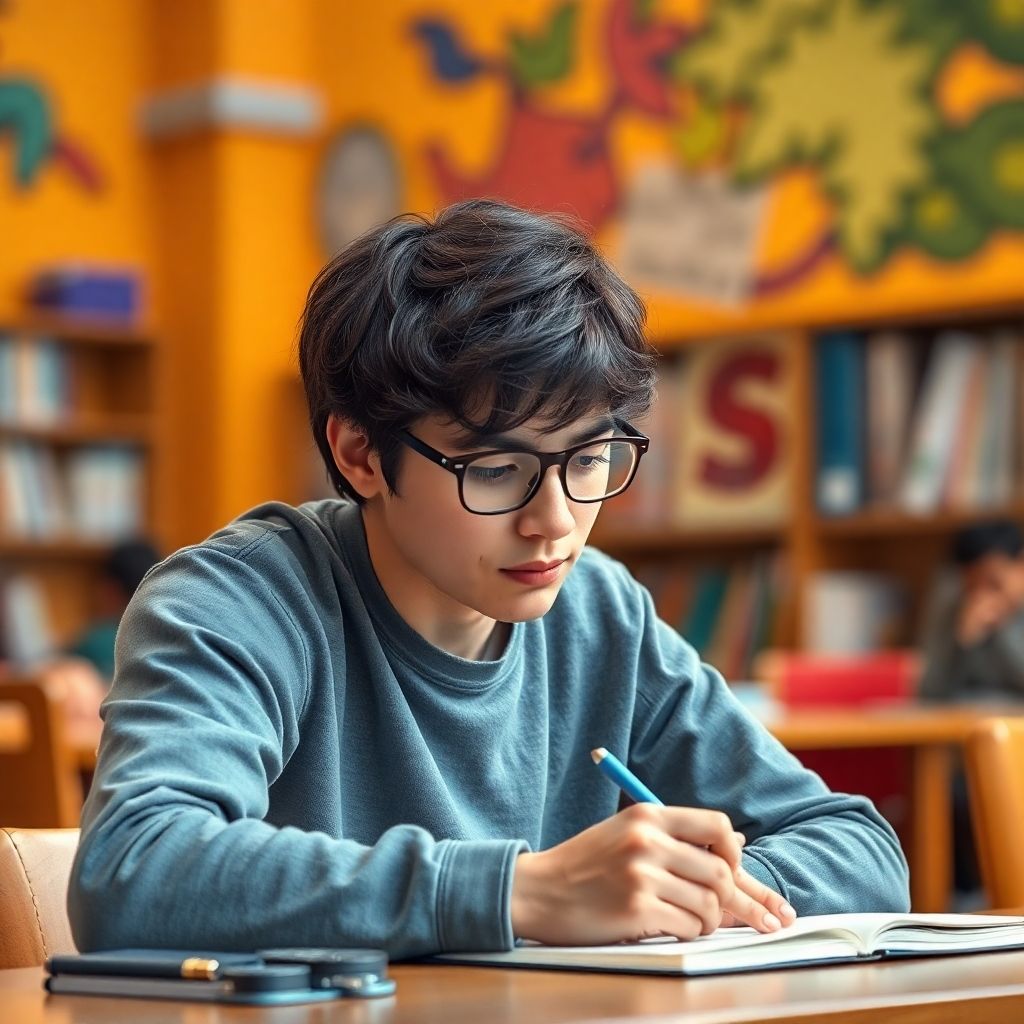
x=212 y=673
x=698 y=746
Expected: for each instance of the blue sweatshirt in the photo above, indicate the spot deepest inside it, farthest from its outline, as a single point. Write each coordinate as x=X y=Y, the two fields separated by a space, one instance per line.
x=285 y=761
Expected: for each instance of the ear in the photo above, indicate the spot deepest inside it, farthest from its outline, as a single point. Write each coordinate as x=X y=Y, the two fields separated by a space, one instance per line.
x=354 y=457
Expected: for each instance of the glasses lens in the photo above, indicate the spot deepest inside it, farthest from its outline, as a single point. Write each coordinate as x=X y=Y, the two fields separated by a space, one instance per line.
x=600 y=470
x=499 y=482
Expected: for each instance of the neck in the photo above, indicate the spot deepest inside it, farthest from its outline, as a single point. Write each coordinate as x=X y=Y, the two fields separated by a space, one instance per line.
x=437 y=618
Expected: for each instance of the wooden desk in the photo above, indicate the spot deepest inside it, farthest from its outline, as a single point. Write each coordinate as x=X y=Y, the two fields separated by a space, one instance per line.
x=933 y=735
x=986 y=988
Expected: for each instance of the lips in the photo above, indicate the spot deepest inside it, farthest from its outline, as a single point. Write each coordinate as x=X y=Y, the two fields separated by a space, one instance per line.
x=535 y=566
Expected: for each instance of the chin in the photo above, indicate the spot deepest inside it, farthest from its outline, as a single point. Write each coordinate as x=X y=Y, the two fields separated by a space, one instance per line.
x=528 y=607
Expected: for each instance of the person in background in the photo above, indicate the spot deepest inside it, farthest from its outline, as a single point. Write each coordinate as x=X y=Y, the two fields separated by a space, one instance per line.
x=119 y=578
x=973 y=649
x=974 y=634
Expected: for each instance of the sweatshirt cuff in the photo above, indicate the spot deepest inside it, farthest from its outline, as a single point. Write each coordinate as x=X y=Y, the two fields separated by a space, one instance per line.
x=756 y=866
x=475 y=895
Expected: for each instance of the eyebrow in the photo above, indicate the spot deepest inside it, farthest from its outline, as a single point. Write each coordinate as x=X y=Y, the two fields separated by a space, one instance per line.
x=507 y=443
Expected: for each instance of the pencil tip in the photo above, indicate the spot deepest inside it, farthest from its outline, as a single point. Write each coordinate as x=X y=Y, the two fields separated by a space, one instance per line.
x=598 y=755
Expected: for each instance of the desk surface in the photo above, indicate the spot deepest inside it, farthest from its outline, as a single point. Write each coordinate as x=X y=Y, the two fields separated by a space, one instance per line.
x=980 y=987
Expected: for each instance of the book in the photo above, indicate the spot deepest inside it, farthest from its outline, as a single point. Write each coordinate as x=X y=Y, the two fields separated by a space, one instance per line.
x=851 y=612
x=937 y=420
x=889 y=395
x=830 y=938
x=840 y=395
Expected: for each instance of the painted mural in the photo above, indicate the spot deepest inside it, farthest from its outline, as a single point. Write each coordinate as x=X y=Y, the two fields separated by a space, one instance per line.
x=28 y=125
x=903 y=118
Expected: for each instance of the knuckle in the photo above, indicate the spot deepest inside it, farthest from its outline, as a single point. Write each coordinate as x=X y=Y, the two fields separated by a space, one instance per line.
x=721 y=823
x=639 y=839
x=644 y=813
x=636 y=877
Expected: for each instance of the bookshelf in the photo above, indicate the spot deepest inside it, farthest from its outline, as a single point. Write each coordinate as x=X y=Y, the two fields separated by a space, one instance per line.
x=880 y=540
x=789 y=540
x=79 y=438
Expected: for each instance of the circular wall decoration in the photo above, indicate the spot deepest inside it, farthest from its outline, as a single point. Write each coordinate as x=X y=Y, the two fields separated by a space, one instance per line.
x=359 y=186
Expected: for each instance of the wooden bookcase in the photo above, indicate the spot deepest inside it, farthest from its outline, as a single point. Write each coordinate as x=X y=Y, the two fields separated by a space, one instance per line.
x=907 y=547
x=111 y=402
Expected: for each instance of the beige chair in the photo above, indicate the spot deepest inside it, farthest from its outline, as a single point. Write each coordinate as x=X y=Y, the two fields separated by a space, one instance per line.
x=995 y=780
x=35 y=866
x=39 y=782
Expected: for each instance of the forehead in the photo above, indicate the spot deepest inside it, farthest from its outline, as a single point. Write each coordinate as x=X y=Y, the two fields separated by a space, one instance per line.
x=541 y=432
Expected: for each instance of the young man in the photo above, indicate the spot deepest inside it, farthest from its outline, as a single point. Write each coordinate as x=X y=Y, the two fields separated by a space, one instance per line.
x=974 y=634
x=369 y=722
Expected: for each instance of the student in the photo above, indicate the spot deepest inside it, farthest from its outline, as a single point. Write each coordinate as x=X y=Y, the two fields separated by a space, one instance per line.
x=974 y=635
x=368 y=722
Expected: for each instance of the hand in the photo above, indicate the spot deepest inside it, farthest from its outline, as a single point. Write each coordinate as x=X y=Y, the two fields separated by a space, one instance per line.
x=647 y=871
x=981 y=612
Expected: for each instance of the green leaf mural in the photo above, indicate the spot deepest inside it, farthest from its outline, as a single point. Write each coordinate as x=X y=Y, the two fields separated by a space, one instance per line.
x=547 y=57
x=842 y=88
x=25 y=113
x=743 y=37
x=984 y=162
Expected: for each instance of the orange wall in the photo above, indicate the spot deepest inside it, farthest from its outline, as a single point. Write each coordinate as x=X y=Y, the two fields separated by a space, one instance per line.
x=222 y=223
x=91 y=58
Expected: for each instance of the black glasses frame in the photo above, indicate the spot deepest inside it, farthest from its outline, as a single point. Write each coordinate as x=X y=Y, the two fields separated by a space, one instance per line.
x=457 y=465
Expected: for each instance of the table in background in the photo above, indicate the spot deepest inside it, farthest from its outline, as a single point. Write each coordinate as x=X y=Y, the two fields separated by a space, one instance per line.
x=987 y=987
x=933 y=734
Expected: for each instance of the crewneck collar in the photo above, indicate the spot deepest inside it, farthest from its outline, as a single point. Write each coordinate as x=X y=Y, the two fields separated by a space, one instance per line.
x=400 y=639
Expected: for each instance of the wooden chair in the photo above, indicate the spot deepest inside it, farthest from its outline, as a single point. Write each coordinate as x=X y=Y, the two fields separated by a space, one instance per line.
x=39 y=782
x=35 y=866
x=995 y=784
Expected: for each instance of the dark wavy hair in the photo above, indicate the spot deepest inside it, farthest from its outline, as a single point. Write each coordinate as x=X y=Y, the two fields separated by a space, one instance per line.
x=488 y=315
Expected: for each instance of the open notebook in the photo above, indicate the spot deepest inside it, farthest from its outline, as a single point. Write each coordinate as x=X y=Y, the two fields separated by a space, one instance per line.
x=830 y=938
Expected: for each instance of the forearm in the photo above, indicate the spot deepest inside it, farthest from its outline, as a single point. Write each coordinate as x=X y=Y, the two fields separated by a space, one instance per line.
x=846 y=862
x=182 y=877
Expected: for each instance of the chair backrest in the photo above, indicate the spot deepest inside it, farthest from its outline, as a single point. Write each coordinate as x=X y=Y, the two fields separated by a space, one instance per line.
x=39 y=782
x=995 y=780
x=35 y=865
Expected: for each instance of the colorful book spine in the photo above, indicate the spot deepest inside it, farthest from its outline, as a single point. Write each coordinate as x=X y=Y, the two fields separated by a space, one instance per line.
x=937 y=420
x=840 y=414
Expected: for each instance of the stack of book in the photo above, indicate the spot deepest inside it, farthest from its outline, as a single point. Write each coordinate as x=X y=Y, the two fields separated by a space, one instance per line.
x=726 y=612
x=93 y=493
x=35 y=381
x=919 y=425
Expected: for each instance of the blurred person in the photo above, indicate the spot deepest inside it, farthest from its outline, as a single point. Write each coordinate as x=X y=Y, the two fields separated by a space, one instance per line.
x=973 y=644
x=367 y=721
x=119 y=577
x=973 y=650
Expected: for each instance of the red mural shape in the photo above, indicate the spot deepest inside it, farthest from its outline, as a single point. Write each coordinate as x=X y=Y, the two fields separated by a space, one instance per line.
x=548 y=162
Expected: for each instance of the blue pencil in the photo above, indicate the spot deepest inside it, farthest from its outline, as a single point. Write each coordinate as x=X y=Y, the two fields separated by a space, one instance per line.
x=623 y=777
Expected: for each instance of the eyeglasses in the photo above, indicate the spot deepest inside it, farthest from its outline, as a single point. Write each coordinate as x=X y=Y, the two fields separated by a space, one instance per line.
x=493 y=482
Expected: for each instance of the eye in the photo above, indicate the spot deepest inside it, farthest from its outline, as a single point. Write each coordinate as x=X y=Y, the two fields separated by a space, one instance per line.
x=492 y=474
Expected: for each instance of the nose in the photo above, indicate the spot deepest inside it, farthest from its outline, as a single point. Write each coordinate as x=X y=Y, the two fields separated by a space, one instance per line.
x=547 y=514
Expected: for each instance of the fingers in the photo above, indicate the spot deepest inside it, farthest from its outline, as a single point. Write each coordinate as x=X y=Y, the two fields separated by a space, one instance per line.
x=758 y=906
x=711 y=829
x=690 y=909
